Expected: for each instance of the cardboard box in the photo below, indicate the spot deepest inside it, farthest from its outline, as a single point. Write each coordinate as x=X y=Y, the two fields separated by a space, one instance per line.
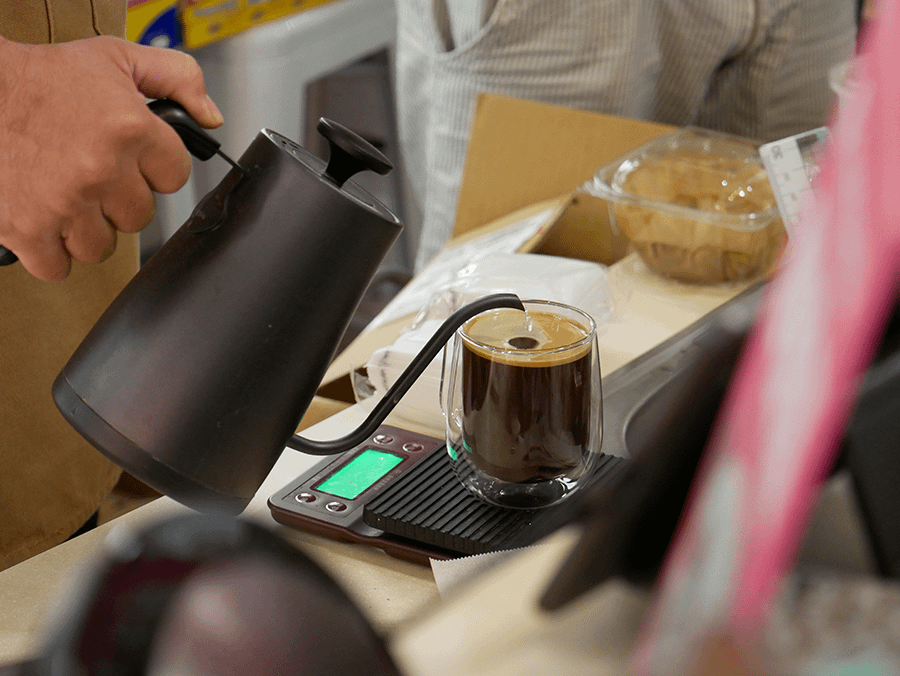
x=205 y=21
x=522 y=152
x=154 y=22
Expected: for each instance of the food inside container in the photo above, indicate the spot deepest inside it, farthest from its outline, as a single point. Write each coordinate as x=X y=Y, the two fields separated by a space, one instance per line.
x=696 y=205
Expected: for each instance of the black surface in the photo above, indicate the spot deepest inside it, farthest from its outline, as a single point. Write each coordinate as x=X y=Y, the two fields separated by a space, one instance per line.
x=429 y=504
x=872 y=451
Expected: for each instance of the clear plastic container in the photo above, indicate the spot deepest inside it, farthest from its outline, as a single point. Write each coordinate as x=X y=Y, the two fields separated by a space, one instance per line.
x=696 y=205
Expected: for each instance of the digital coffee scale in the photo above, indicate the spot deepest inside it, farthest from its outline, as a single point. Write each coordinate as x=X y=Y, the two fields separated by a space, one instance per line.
x=398 y=492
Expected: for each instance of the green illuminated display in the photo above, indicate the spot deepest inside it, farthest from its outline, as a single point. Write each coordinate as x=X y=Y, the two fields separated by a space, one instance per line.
x=357 y=475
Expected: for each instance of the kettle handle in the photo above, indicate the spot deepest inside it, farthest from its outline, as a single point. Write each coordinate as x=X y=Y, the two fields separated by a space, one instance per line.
x=421 y=361
x=200 y=144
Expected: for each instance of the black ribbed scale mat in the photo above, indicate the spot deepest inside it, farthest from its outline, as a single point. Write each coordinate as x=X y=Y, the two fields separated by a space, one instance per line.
x=428 y=504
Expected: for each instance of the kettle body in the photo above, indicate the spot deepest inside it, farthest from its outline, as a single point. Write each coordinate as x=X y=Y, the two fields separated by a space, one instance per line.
x=215 y=349
x=196 y=376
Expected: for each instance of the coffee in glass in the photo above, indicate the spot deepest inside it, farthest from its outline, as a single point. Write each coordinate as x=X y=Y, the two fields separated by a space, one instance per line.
x=523 y=403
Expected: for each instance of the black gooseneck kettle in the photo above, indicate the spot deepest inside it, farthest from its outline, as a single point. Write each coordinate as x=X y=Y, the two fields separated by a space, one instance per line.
x=198 y=373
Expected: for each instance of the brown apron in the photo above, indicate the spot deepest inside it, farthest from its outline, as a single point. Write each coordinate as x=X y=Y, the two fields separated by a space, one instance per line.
x=51 y=480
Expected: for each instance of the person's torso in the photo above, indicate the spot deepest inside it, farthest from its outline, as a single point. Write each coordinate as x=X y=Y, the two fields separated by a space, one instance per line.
x=61 y=20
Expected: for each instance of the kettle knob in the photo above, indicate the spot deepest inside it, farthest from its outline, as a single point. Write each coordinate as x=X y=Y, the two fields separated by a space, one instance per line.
x=349 y=153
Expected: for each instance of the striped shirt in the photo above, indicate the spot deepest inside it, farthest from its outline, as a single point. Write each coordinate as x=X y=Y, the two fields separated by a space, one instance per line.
x=755 y=68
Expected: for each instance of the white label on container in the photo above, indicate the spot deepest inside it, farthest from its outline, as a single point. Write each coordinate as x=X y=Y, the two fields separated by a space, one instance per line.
x=791 y=164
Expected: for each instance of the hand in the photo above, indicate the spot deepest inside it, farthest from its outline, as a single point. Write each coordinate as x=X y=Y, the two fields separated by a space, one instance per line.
x=80 y=152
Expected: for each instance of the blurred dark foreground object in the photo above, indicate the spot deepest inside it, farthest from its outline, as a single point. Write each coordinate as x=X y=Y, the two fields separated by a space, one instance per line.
x=201 y=595
x=659 y=409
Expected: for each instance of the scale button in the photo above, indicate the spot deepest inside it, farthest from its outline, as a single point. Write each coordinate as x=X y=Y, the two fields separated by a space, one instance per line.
x=413 y=447
x=335 y=506
x=305 y=497
x=382 y=438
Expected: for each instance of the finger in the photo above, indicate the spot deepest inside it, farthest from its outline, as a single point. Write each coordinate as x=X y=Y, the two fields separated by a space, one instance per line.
x=163 y=162
x=88 y=238
x=47 y=260
x=110 y=248
x=129 y=206
x=172 y=74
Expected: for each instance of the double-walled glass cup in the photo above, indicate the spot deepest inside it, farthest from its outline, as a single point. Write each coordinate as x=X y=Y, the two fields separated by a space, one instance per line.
x=522 y=399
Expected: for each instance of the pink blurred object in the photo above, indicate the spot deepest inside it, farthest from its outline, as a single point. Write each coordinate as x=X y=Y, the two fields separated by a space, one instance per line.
x=793 y=391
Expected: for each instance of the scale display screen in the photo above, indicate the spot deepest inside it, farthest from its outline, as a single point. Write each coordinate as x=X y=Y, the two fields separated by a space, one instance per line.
x=360 y=473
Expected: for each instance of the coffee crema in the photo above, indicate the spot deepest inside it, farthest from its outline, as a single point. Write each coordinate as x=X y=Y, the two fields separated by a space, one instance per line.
x=526 y=394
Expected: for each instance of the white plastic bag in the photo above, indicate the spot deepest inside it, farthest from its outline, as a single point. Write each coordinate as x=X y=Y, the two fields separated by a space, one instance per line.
x=582 y=284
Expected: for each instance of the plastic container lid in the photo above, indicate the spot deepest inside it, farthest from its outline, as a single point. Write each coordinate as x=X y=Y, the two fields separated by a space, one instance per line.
x=696 y=205
x=695 y=174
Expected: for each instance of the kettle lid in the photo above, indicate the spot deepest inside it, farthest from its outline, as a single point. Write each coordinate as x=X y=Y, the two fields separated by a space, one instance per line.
x=348 y=155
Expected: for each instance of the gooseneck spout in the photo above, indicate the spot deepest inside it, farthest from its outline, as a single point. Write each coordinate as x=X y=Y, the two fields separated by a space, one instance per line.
x=407 y=378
